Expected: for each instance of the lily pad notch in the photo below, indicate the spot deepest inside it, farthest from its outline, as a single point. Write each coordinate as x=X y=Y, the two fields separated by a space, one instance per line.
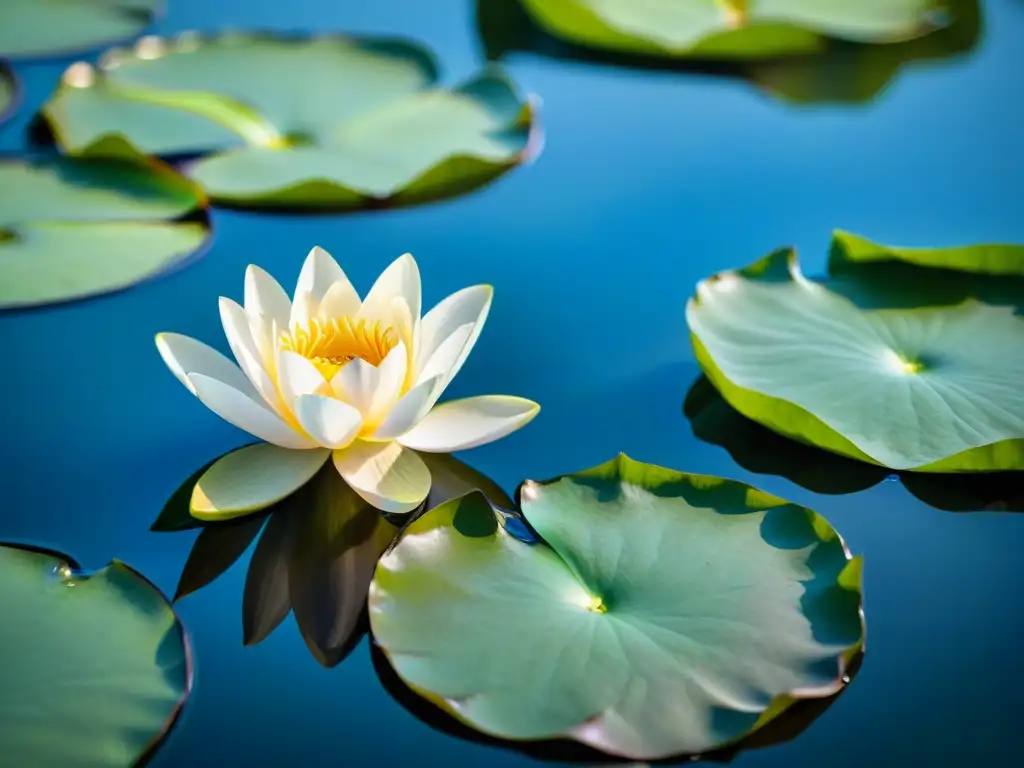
x=293 y=122
x=707 y=608
x=114 y=643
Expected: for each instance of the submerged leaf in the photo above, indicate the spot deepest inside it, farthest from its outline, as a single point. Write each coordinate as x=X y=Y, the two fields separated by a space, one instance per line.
x=96 y=667
x=932 y=389
x=706 y=607
x=74 y=228
x=216 y=549
x=327 y=122
x=61 y=27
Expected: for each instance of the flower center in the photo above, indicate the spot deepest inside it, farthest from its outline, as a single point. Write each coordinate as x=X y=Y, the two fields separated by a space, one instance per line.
x=332 y=344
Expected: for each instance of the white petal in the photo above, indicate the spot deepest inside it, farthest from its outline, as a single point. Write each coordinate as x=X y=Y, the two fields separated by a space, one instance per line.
x=372 y=389
x=185 y=355
x=252 y=478
x=236 y=328
x=401 y=280
x=304 y=308
x=341 y=300
x=329 y=421
x=263 y=330
x=297 y=376
x=443 y=361
x=461 y=424
x=386 y=475
x=409 y=410
x=265 y=296
x=246 y=413
x=470 y=305
x=319 y=273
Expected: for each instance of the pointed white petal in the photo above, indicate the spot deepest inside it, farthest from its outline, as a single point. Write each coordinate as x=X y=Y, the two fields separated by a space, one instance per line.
x=470 y=305
x=246 y=413
x=185 y=355
x=304 y=308
x=409 y=410
x=388 y=476
x=319 y=273
x=296 y=376
x=372 y=389
x=329 y=421
x=341 y=300
x=401 y=280
x=252 y=478
x=265 y=296
x=236 y=328
x=443 y=361
x=461 y=424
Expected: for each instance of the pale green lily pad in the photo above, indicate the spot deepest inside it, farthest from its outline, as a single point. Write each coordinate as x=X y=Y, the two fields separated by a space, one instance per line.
x=664 y=614
x=9 y=94
x=62 y=27
x=931 y=389
x=81 y=227
x=729 y=28
x=96 y=668
x=328 y=122
x=850 y=251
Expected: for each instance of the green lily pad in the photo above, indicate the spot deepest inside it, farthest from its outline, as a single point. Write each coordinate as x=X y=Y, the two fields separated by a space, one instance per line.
x=664 y=614
x=834 y=71
x=96 y=667
x=730 y=28
x=62 y=27
x=327 y=122
x=74 y=228
x=9 y=93
x=934 y=389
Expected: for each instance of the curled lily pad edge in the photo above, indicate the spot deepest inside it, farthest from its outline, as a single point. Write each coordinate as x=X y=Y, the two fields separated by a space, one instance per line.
x=315 y=194
x=72 y=570
x=780 y=415
x=621 y=467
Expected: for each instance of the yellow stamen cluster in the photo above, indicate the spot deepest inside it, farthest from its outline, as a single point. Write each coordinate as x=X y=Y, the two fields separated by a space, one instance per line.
x=332 y=344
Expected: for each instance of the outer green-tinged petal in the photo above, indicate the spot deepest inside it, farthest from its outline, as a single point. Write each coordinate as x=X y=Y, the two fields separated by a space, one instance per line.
x=662 y=614
x=265 y=296
x=329 y=421
x=468 y=306
x=388 y=476
x=247 y=414
x=252 y=478
x=95 y=667
x=461 y=424
x=409 y=410
x=185 y=355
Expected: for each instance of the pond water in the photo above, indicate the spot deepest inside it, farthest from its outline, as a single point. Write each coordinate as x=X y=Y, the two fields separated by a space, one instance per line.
x=648 y=182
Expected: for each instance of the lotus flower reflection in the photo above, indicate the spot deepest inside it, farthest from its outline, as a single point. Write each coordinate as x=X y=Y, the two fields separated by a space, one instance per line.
x=327 y=375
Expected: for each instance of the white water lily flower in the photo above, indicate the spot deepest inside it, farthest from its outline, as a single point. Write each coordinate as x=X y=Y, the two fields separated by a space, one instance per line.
x=329 y=375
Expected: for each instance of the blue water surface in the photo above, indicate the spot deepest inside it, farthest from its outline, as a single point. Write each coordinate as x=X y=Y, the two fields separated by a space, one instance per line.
x=648 y=182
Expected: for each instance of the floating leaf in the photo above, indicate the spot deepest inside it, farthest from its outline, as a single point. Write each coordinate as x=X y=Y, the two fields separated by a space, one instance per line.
x=729 y=28
x=706 y=606
x=9 y=94
x=322 y=122
x=61 y=27
x=935 y=389
x=80 y=227
x=96 y=668
x=850 y=252
x=834 y=71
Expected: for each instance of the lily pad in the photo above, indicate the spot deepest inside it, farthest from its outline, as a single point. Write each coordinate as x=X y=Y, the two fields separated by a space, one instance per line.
x=73 y=228
x=9 y=93
x=696 y=609
x=833 y=71
x=62 y=27
x=326 y=122
x=96 y=667
x=730 y=28
x=935 y=389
